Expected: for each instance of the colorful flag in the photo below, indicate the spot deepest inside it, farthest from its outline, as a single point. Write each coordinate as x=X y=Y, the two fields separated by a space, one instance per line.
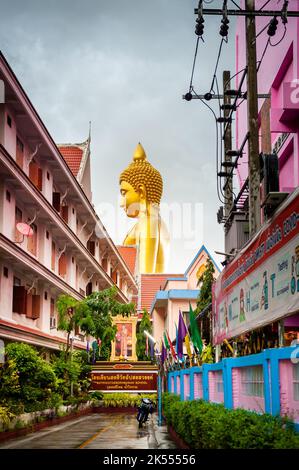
x=171 y=347
x=181 y=333
x=176 y=339
x=163 y=353
x=188 y=345
x=195 y=334
x=167 y=346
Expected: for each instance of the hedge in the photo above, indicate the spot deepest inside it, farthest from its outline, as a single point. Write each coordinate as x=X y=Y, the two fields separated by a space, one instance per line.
x=204 y=425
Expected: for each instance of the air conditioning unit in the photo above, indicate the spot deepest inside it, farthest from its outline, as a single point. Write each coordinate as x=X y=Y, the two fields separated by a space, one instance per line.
x=52 y=323
x=269 y=172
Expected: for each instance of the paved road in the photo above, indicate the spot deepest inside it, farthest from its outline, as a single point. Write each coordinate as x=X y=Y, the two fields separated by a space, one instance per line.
x=97 y=431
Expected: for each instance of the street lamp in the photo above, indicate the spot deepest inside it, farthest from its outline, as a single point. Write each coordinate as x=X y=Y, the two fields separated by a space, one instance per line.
x=151 y=338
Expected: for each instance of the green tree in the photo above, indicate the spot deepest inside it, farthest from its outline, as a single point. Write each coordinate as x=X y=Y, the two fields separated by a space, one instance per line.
x=72 y=313
x=145 y=325
x=102 y=307
x=205 y=281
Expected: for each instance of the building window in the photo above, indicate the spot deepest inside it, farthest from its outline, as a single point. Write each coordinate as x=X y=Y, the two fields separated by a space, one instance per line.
x=46 y=295
x=8 y=119
x=32 y=241
x=48 y=175
x=296 y=381
x=219 y=381
x=91 y=247
x=20 y=153
x=52 y=315
x=47 y=235
x=252 y=381
x=73 y=259
x=62 y=265
x=73 y=210
x=16 y=281
x=53 y=258
x=5 y=271
x=18 y=219
x=7 y=196
x=36 y=175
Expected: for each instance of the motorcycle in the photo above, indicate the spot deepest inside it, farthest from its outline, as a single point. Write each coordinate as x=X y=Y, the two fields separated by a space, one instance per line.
x=145 y=408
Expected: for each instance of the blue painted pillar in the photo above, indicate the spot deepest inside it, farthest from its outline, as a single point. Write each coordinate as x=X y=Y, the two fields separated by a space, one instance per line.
x=228 y=382
x=205 y=382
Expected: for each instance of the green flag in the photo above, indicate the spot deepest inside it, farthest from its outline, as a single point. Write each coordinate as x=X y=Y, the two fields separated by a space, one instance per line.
x=195 y=334
x=167 y=346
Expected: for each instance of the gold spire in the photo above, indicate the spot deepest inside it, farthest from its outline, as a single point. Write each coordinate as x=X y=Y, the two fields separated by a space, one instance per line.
x=139 y=154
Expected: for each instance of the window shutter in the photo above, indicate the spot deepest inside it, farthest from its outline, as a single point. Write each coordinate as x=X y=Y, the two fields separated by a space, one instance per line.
x=114 y=276
x=104 y=264
x=19 y=300
x=62 y=265
x=33 y=172
x=20 y=153
x=91 y=246
x=89 y=288
x=65 y=213
x=32 y=241
x=53 y=256
x=35 y=307
x=40 y=179
x=29 y=306
x=56 y=201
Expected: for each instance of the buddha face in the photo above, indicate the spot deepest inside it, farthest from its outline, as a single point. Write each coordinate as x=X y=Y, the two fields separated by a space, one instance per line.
x=130 y=199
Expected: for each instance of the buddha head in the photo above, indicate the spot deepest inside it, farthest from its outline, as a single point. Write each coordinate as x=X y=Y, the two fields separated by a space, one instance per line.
x=140 y=184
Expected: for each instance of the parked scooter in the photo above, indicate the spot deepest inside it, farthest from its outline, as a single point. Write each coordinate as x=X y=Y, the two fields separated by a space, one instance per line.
x=144 y=409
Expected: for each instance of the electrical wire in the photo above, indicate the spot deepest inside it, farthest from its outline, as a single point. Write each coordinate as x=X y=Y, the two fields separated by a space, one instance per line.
x=236 y=5
x=265 y=4
x=217 y=140
x=263 y=55
x=216 y=66
x=282 y=38
x=194 y=61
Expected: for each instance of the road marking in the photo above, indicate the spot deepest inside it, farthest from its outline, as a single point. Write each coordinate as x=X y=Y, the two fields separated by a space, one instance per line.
x=37 y=434
x=92 y=438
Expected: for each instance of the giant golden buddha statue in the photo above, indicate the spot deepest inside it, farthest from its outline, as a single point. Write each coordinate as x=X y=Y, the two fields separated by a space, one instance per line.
x=141 y=189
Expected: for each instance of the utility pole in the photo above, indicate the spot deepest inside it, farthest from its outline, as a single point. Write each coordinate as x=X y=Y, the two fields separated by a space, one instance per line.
x=252 y=119
x=228 y=193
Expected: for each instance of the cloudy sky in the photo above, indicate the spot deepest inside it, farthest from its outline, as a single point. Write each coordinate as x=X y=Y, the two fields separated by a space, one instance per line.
x=124 y=65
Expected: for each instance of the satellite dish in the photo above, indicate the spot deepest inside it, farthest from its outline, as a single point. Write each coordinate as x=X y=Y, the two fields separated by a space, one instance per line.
x=24 y=229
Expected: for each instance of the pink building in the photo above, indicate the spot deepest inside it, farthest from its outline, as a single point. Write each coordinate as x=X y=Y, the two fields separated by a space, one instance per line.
x=176 y=294
x=70 y=250
x=278 y=76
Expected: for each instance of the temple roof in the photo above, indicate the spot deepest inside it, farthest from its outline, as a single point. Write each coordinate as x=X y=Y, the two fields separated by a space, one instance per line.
x=129 y=253
x=150 y=284
x=75 y=156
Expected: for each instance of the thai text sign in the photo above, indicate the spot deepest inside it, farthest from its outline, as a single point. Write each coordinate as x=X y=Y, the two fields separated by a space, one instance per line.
x=262 y=284
x=124 y=381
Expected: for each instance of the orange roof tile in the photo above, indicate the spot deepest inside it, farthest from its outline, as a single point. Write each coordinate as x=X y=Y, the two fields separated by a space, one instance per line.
x=128 y=253
x=150 y=284
x=73 y=156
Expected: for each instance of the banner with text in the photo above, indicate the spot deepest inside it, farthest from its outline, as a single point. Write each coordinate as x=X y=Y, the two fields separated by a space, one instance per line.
x=124 y=382
x=261 y=285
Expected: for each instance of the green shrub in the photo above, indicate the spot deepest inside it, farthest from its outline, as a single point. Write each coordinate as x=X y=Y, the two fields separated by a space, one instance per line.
x=126 y=399
x=5 y=416
x=205 y=425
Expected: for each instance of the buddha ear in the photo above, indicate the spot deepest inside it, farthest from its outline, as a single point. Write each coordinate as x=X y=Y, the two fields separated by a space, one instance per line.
x=142 y=191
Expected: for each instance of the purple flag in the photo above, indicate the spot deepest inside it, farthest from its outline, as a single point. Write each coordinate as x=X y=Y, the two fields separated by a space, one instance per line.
x=163 y=353
x=182 y=331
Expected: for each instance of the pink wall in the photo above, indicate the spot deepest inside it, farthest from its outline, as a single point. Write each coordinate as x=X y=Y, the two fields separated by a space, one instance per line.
x=289 y=389
x=198 y=392
x=215 y=380
x=241 y=397
x=279 y=67
x=186 y=387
